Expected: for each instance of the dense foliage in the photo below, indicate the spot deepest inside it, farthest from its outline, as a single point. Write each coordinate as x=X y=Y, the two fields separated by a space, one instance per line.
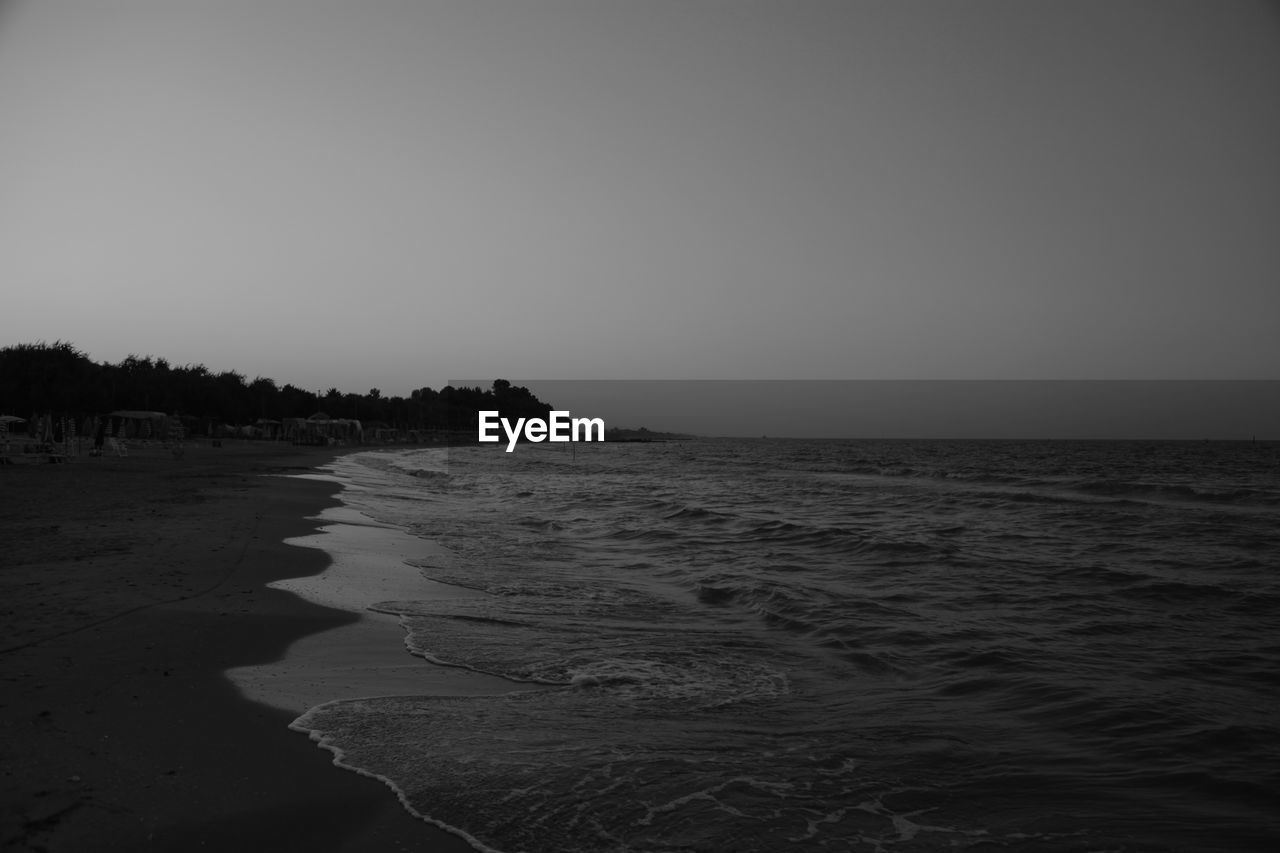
x=58 y=379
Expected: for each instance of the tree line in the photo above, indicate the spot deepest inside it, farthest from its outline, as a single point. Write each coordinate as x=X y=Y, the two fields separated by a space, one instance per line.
x=58 y=379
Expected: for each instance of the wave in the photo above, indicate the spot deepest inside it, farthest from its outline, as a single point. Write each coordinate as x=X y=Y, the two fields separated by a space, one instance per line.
x=573 y=772
x=1179 y=491
x=1064 y=483
x=994 y=626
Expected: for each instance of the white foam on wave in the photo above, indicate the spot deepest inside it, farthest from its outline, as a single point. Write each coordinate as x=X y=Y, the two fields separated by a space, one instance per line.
x=712 y=794
x=605 y=643
x=706 y=683
x=370 y=561
x=339 y=760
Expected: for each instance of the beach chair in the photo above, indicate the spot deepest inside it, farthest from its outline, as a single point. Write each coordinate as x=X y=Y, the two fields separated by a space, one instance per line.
x=117 y=444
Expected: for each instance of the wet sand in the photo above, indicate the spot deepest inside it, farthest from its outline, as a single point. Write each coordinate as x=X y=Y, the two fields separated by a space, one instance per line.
x=128 y=586
x=367 y=657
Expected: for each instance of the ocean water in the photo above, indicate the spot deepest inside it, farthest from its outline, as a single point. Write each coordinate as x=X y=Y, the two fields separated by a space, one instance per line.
x=837 y=645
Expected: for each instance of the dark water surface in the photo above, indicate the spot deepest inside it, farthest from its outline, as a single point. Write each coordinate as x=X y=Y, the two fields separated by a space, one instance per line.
x=839 y=645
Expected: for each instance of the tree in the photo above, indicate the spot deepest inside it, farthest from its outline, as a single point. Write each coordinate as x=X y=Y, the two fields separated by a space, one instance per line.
x=60 y=379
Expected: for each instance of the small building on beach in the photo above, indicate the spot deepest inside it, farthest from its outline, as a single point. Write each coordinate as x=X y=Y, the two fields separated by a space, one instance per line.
x=319 y=428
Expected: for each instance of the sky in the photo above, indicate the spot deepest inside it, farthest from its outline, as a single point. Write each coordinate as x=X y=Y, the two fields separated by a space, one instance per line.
x=390 y=194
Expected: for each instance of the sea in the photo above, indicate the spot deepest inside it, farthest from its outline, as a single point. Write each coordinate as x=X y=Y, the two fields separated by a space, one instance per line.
x=806 y=645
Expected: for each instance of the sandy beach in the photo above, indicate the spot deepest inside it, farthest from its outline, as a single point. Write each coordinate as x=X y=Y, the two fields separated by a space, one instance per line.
x=130 y=585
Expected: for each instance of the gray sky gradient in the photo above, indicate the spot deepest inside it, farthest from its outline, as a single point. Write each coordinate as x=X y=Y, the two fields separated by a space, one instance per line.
x=393 y=193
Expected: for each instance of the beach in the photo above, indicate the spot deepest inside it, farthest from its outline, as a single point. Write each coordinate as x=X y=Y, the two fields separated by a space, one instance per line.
x=721 y=644
x=130 y=585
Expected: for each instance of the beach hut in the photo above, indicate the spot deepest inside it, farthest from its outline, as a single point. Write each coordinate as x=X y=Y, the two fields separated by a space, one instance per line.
x=5 y=422
x=138 y=424
x=310 y=430
x=319 y=428
x=268 y=429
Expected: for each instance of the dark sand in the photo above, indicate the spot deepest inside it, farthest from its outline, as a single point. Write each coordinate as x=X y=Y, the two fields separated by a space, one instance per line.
x=127 y=587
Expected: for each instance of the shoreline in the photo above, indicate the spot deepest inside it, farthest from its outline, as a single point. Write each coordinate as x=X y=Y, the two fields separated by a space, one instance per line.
x=367 y=657
x=130 y=586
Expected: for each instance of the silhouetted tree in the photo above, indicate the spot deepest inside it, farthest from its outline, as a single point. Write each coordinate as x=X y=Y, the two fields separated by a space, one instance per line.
x=59 y=379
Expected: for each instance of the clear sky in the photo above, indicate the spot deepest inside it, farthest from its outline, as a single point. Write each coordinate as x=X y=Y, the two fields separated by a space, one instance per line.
x=389 y=194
